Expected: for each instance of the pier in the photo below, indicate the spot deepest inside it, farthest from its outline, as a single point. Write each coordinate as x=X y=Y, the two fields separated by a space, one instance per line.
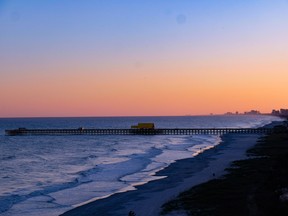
x=160 y=131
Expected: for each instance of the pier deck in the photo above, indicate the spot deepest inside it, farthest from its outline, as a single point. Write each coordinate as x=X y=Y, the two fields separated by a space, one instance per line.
x=162 y=131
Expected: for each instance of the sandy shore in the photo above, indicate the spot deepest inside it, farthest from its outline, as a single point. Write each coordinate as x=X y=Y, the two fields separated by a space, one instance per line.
x=257 y=185
x=181 y=176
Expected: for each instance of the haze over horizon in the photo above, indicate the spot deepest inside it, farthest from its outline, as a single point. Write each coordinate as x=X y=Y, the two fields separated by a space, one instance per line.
x=142 y=58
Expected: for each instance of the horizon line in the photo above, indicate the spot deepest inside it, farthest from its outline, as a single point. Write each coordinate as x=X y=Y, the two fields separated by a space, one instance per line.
x=132 y=116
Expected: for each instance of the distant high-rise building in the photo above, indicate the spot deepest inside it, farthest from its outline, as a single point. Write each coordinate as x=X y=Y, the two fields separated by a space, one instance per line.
x=284 y=112
x=275 y=112
x=252 y=112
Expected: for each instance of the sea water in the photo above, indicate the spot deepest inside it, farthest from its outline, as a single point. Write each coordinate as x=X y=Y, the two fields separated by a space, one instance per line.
x=48 y=175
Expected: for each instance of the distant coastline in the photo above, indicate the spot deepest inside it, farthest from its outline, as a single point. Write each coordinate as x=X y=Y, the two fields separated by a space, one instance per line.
x=281 y=113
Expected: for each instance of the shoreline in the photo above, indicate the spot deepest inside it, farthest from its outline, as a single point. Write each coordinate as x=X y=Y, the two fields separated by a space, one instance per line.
x=254 y=186
x=181 y=176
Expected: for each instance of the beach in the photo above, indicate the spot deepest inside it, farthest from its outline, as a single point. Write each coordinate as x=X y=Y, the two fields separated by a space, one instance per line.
x=254 y=186
x=180 y=176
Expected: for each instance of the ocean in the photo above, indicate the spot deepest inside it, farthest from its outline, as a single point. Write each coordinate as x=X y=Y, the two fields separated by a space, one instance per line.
x=48 y=175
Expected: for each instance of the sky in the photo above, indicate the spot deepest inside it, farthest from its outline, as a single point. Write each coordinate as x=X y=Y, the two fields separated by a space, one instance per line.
x=142 y=58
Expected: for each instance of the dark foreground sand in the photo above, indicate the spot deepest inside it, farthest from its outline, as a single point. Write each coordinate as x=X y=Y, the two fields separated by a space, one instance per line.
x=148 y=199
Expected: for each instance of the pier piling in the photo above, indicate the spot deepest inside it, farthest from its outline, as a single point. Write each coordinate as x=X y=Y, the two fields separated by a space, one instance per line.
x=158 y=131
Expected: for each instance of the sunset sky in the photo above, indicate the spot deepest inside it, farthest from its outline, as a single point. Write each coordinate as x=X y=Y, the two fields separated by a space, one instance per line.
x=142 y=57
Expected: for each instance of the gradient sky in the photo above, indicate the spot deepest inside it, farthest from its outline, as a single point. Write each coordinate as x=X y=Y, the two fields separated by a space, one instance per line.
x=132 y=57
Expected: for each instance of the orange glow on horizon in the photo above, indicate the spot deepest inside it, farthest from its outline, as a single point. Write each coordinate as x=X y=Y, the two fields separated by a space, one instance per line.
x=167 y=92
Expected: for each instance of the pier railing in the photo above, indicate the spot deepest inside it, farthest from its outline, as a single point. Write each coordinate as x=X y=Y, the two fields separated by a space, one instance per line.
x=160 y=131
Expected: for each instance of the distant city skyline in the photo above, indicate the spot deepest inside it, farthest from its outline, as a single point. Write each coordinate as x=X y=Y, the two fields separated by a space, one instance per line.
x=277 y=112
x=142 y=58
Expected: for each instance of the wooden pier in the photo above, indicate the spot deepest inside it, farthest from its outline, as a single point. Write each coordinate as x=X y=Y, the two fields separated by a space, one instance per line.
x=162 y=131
